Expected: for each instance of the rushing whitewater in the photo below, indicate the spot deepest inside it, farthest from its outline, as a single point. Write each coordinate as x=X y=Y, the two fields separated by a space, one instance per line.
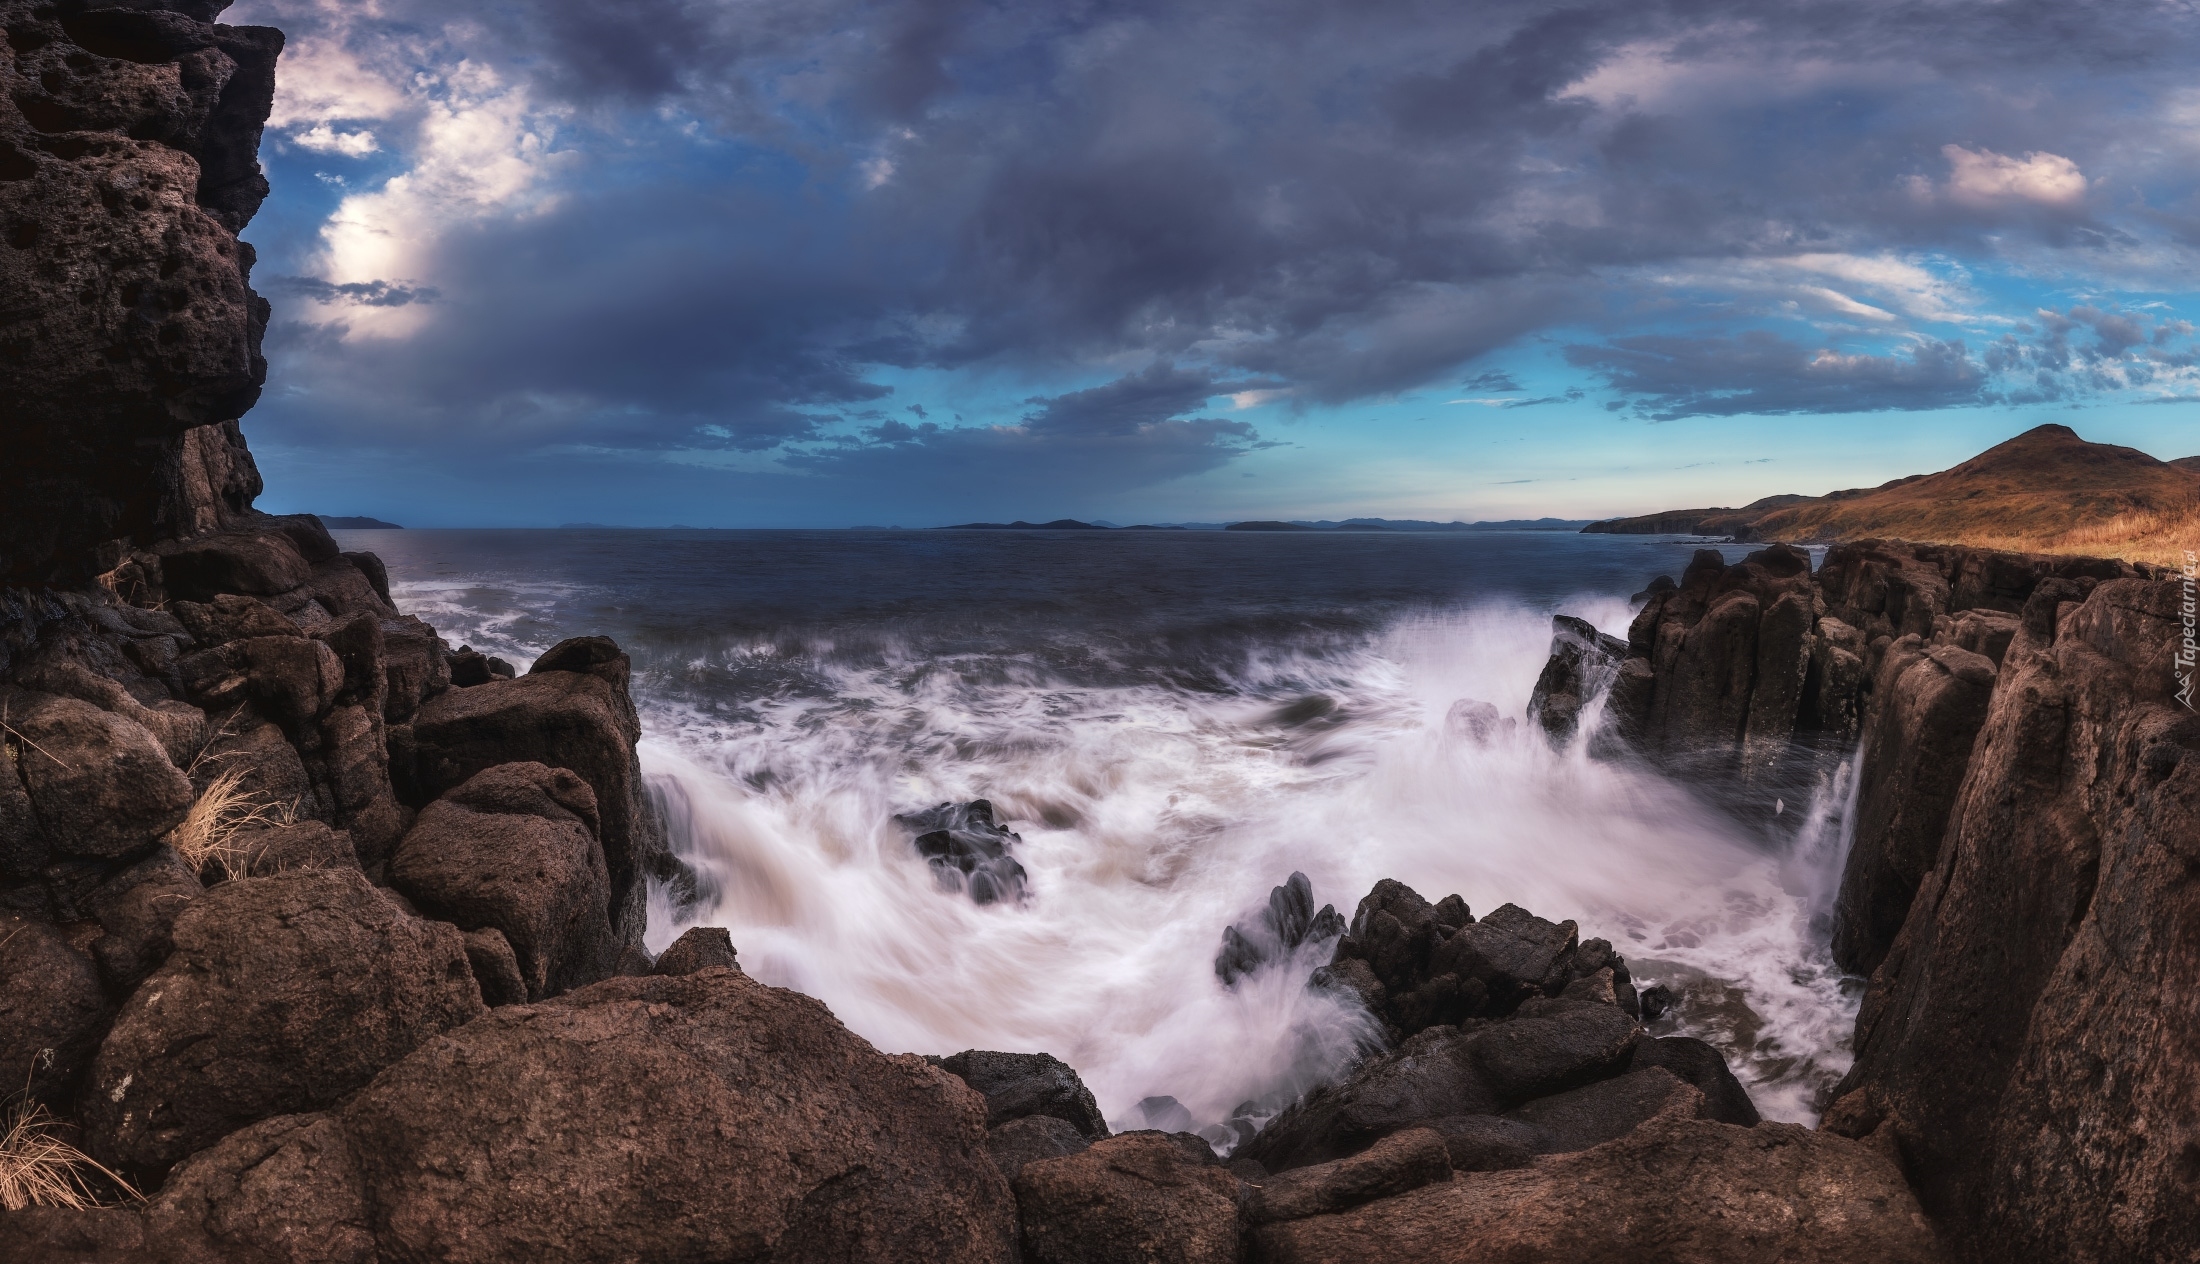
x=1161 y=786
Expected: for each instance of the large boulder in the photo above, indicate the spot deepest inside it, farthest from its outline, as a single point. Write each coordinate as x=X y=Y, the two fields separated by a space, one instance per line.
x=701 y=1117
x=581 y=720
x=98 y=785
x=1138 y=1196
x=283 y=994
x=1926 y=713
x=1678 y=1190
x=2028 y=1043
x=514 y=849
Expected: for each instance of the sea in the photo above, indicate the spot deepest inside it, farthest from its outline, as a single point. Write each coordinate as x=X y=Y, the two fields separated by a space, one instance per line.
x=1172 y=723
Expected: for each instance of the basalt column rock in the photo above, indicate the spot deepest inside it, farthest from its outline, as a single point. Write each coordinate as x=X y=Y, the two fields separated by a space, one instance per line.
x=129 y=338
x=1723 y=659
x=2029 y=1043
x=1931 y=701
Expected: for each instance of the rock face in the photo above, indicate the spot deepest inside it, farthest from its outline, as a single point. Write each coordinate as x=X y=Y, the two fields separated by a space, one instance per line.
x=1678 y=1189
x=2028 y=1042
x=1725 y=656
x=283 y=994
x=128 y=139
x=1930 y=702
x=702 y=1117
x=52 y=1011
x=514 y=849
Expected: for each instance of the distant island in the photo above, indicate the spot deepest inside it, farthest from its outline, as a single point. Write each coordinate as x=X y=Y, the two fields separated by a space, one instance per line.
x=1402 y=525
x=2045 y=491
x=337 y=523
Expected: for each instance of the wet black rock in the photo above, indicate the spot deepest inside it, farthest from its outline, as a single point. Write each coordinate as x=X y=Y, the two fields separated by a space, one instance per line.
x=968 y=849
x=1724 y=1098
x=1022 y=1085
x=1287 y=923
x=1582 y=664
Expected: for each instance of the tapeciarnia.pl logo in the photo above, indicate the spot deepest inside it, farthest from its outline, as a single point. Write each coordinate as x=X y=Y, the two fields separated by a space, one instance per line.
x=2188 y=649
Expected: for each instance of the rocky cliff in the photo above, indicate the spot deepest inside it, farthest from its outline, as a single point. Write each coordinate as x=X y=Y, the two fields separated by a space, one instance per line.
x=129 y=334
x=2021 y=883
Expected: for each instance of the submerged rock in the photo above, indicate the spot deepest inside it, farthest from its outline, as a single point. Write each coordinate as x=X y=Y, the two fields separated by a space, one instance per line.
x=968 y=849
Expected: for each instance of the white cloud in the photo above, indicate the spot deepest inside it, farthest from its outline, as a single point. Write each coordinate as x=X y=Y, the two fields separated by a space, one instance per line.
x=321 y=82
x=479 y=150
x=322 y=138
x=1983 y=178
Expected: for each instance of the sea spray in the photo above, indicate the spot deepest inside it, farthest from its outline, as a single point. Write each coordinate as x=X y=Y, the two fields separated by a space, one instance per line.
x=1155 y=815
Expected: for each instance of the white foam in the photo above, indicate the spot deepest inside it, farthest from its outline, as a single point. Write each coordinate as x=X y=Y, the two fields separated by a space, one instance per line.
x=1152 y=817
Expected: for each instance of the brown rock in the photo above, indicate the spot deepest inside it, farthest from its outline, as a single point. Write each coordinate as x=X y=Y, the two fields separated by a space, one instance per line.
x=2028 y=1043
x=496 y=967
x=283 y=994
x=98 y=784
x=515 y=848
x=1134 y=1196
x=274 y=849
x=1400 y=1162
x=412 y=666
x=137 y=910
x=283 y=1191
x=1927 y=709
x=52 y=1011
x=273 y=773
x=697 y=948
x=1030 y=1139
x=130 y=168
x=66 y=1235
x=565 y=720
x=1675 y=1191
x=1016 y=1085
x=229 y=617
x=253 y=563
x=704 y=1117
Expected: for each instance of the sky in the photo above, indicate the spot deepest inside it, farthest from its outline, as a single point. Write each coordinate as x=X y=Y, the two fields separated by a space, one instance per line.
x=819 y=263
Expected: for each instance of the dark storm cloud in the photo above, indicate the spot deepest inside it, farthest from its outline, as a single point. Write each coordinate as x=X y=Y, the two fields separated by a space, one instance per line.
x=766 y=203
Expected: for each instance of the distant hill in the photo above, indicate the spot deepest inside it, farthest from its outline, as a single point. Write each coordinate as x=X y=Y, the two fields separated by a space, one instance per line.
x=2045 y=491
x=335 y=523
x=1059 y=524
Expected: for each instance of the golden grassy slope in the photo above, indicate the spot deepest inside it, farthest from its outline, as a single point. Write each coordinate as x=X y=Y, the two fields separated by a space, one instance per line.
x=2045 y=491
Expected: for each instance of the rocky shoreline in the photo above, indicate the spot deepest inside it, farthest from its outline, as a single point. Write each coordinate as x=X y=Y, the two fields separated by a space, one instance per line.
x=325 y=940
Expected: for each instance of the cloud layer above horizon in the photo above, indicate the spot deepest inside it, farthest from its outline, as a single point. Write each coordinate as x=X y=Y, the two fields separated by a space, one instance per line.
x=827 y=261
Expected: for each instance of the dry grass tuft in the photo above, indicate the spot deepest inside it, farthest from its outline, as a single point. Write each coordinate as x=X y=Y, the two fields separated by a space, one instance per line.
x=208 y=835
x=39 y=1168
